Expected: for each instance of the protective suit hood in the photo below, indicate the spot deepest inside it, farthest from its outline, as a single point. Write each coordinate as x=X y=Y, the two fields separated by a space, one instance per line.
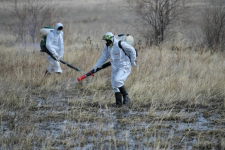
x=56 y=28
x=58 y=25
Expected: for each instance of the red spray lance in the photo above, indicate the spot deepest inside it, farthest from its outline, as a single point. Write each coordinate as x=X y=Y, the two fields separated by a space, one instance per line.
x=91 y=73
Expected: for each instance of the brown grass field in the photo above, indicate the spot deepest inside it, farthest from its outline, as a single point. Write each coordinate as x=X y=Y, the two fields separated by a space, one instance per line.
x=177 y=89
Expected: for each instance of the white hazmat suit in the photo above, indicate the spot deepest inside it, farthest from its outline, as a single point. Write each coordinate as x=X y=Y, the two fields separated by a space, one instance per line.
x=54 y=44
x=120 y=62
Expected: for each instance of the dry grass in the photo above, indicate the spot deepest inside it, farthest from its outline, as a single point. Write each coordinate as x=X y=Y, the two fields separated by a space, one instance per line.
x=163 y=75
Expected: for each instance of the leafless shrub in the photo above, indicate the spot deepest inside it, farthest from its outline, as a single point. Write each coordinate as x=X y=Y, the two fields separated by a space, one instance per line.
x=213 y=24
x=26 y=17
x=157 y=18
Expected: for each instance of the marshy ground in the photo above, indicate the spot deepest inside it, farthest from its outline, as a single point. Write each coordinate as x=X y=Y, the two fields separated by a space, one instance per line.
x=64 y=120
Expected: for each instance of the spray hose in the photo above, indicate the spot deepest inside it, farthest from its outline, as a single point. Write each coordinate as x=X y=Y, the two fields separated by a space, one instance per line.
x=91 y=73
x=44 y=49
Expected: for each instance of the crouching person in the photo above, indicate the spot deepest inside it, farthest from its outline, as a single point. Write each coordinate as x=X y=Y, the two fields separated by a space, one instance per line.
x=121 y=61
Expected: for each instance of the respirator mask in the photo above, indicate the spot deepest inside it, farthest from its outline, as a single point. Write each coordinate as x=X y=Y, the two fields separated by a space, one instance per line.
x=59 y=30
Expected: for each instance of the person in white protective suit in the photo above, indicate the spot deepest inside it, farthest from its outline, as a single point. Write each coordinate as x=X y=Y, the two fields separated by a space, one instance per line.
x=54 y=43
x=121 y=65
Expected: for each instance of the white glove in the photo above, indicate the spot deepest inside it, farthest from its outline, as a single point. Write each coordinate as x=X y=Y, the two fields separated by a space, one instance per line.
x=56 y=56
x=95 y=68
x=133 y=64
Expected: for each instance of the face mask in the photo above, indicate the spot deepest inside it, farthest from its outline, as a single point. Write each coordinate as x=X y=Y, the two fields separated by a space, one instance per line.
x=58 y=31
x=109 y=43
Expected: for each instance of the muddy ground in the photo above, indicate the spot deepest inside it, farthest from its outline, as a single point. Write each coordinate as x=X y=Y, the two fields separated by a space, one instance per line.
x=71 y=120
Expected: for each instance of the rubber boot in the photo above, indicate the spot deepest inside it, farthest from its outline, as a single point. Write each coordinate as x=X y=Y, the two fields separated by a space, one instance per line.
x=118 y=97
x=47 y=73
x=59 y=73
x=126 y=98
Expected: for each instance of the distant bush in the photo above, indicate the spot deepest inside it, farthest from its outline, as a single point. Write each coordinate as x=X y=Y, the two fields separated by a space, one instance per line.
x=26 y=17
x=213 y=25
x=157 y=18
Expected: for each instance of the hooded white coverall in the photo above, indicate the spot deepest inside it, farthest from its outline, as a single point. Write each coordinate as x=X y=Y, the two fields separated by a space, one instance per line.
x=121 y=63
x=54 y=44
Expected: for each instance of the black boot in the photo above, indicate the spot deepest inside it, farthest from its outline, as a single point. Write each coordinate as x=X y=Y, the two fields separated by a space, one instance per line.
x=118 y=97
x=126 y=99
x=47 y=73
x=59 y=73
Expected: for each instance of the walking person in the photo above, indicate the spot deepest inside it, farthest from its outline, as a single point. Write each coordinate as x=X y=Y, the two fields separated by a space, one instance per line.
x=121 y=61
x=54 y=43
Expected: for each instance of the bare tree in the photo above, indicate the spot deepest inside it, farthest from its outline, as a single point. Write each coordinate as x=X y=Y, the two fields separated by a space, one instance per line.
x=26 y=17
x=157 y=18
x=213 y=24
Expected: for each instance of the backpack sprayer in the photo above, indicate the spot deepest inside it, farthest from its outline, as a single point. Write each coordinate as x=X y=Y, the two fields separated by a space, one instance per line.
x=121 y=37
x=44 y=31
